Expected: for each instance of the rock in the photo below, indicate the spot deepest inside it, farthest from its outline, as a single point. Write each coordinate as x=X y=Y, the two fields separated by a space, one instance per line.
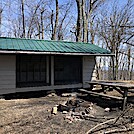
x=78 y=119
x=93 y=111
x=83 y=113
x=69 y=95
x=63 y=108
x=107 y=109
x=65 y=95
x=74 y=94
x=90 y=108
x=63 y=103
x=87 y=111
x=51 y=94
x=64 y=112
x=69 y=118
x=54 y=110
x=73 y=102
x=78 y=109
x=86 y=104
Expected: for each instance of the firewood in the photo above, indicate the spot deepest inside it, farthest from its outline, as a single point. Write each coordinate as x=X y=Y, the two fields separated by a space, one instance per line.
x=119 y=130
x=100 y=125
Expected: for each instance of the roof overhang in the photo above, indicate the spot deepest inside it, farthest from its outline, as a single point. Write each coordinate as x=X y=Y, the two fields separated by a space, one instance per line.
x=53 y=53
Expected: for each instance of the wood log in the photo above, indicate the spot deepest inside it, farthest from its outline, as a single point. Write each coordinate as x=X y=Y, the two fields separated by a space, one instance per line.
x=119 y=130
x=88 y=132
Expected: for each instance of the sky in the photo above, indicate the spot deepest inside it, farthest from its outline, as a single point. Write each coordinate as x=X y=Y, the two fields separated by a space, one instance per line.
x=121 y=3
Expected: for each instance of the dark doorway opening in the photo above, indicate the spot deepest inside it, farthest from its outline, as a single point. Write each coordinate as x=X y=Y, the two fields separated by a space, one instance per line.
x=31 y=70
x=67 y=70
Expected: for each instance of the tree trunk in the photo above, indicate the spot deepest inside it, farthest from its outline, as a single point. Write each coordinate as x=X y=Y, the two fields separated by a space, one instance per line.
x=79 y=18
x=92 y=32
x=131 y=72
x=39 y=31
x=42 y=24
x=23 y=18
x=56 y=21
x=0 y=19
x=0 y=16
x=52 y=25
x=85 y=28
x=129 y=52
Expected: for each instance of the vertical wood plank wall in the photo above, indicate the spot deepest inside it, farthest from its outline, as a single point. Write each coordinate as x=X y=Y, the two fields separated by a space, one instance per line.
x=7 y=72
x=88 y=68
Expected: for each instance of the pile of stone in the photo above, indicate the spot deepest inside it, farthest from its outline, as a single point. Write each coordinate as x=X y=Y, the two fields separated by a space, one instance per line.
x=75 y=110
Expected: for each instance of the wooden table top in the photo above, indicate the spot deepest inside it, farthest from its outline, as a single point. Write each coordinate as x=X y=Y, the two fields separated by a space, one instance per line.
x=114 y=84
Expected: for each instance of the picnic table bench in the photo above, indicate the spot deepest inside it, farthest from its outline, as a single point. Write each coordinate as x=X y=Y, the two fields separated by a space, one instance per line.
x=121 y=87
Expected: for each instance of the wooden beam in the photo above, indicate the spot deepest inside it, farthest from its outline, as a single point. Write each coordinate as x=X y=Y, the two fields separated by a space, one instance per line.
x=52 y=53
x=125 y=98
x=52 y=70
x=47 y=69
x=100 y=94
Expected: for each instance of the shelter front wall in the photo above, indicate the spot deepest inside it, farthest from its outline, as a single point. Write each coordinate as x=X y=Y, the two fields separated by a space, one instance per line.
x=88 y=69
x=7 y=72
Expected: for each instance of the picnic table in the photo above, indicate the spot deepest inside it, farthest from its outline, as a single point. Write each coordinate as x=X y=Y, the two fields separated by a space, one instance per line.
x=121 y=87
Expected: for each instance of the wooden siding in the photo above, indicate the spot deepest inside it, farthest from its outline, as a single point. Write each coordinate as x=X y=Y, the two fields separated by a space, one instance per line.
x=7 y=72
x=27 y=89
x=8 y=75
x=88 y=68
x=49 y=87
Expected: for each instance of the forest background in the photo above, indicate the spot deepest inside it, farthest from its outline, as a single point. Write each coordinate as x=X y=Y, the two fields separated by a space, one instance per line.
x=106 y=23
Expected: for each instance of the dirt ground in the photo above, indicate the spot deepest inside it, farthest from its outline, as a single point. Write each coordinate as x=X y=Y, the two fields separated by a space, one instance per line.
x=32 y=115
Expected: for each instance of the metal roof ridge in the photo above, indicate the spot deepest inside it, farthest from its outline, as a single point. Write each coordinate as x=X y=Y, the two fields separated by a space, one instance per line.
x=47 y=40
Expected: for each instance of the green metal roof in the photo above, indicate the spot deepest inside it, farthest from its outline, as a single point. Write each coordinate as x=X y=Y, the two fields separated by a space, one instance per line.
x=33 y=45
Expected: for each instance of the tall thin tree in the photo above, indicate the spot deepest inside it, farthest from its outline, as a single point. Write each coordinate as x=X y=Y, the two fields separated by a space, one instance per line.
x=23 y=18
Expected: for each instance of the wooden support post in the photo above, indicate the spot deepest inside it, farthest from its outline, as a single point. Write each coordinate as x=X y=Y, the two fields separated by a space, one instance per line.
x=83 y=59
x=91 y=86
x=114 y=77
x=52 y=70
x=103 y=89
x=125 y=98
x=47 y=69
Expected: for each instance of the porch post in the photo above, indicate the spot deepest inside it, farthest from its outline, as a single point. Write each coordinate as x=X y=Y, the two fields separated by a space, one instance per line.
x=52 y=70
x=47 y=69
x=114 y=77
x=83 y=71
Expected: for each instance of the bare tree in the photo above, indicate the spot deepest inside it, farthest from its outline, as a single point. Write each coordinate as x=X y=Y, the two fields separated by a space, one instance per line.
x=115 y=28
x=23 y=18
x=64 y=11
x=54 y=29
x=32 y=19
x=1 y=10
x=1 y=15
x=42 y=23
x=85 y=23
x=79 y=21
x=85 y=19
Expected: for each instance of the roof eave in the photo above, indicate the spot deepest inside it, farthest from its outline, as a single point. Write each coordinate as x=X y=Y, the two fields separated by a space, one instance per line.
x=55 y=53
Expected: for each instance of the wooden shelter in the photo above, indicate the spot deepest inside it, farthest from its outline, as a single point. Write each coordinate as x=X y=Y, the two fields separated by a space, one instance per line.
x=33 y=65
